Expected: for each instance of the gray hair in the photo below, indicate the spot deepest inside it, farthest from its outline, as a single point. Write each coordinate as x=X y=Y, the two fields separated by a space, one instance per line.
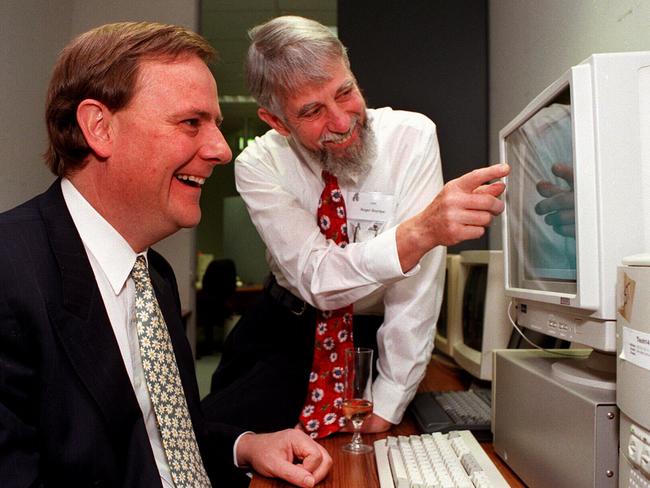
x=285 y=54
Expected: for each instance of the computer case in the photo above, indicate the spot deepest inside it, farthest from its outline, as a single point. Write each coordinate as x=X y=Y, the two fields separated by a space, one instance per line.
x=633 y=369
x=551 y=432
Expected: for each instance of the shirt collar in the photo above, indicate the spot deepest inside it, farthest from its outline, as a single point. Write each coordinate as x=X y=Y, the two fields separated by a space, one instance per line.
x=113 y=254
x=305 y=156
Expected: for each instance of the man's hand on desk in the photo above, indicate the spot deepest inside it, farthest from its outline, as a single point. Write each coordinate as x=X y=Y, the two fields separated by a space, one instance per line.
x=289 y=454
x=372 y=425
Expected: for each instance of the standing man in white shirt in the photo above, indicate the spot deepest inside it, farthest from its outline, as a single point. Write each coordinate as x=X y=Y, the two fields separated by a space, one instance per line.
x=391 y=266
x=97 y=381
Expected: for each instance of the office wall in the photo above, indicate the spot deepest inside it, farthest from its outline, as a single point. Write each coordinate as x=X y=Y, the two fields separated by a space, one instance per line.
x=533 y=42
x=32 y=32
x=429 y=56
x=28 y=46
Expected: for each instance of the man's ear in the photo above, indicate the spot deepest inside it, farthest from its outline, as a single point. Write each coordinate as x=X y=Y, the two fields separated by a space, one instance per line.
x=94 y=120
x=274 y=121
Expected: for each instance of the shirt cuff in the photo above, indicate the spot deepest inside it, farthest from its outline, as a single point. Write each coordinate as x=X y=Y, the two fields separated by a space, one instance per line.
x=234 y=447
x=382 y=260
x=391 y=400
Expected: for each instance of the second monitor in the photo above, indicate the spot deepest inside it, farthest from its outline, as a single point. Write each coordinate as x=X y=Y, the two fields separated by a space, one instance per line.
x=483 y=316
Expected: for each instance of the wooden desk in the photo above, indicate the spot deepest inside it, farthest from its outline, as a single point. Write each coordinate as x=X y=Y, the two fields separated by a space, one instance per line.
x=360 y=471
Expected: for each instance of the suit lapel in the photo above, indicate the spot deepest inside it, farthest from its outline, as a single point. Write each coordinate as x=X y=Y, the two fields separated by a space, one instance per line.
x=81 y=321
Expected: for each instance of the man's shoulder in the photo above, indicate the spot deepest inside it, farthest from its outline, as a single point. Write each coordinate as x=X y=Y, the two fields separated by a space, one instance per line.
x=391 y=115
x=268 y=143
x=22 y=232
x=269 y=153
x=31 y=210
x=387 y=118
x=24 y=213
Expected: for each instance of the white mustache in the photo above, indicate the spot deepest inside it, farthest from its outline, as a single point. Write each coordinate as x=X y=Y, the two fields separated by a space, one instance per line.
x=331 y=137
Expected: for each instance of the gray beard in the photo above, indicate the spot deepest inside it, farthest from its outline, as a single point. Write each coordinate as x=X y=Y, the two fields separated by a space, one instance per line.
x=355 y=162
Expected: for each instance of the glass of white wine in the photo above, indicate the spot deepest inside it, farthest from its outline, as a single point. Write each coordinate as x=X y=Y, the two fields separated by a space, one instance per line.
x=357 y=400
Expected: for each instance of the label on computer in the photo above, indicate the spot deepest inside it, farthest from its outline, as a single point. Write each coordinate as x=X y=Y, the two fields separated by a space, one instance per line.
x=636 y=347
x=626 y=298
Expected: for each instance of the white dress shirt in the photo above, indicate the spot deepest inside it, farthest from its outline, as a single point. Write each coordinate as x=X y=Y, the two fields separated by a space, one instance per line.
x=112 y=260
x=281 y=188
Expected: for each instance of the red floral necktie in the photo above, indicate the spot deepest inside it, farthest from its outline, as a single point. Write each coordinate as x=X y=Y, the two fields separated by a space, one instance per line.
x=322 y=414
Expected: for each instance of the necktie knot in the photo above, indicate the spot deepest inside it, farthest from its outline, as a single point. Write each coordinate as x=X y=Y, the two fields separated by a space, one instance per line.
x=329 y=178
x=331 y=215
x=140 y=272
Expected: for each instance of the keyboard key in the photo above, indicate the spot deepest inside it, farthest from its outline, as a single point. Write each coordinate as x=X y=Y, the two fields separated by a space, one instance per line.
x=398 y=469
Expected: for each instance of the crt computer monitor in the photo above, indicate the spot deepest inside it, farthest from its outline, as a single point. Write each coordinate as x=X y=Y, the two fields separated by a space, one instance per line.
x=593 y=122
x=484 y=324
x=448 y=326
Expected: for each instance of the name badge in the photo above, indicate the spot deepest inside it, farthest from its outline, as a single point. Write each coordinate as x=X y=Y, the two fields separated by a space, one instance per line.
x=373 y=206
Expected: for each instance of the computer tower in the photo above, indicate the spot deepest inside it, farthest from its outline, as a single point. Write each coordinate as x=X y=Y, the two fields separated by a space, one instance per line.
x=633 y=369
x=550 y=432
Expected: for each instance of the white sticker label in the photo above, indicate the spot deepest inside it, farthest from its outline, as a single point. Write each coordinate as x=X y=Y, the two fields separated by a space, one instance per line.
x=372 y=206
x=636 y=347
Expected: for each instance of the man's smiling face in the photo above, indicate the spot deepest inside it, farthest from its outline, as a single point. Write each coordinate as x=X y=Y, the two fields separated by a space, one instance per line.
x=167 y=142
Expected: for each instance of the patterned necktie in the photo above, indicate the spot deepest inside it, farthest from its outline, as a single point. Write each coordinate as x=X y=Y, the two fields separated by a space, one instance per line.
x=322 y=414
x=164 y=385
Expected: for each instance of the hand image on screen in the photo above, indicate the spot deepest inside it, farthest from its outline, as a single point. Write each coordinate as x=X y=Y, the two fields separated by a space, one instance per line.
x=541 y=154
x=558 y=205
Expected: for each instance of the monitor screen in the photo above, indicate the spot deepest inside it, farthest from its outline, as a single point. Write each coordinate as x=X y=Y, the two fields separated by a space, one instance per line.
x=541 y=153
x=441 y=326
x=474 y=306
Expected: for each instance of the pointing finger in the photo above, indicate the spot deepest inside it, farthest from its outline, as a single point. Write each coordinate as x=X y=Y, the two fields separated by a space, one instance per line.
x=474 y=179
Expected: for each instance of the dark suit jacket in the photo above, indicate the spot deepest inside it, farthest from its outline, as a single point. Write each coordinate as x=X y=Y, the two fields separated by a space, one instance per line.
x=68 y=414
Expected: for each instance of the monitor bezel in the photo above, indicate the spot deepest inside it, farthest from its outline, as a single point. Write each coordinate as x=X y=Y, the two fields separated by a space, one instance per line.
x=586 y=297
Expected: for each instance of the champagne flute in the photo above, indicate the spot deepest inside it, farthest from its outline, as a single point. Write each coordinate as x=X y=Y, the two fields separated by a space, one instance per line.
x=357 y=400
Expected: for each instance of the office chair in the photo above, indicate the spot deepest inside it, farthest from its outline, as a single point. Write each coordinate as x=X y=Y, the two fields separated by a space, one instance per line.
x=213 y=304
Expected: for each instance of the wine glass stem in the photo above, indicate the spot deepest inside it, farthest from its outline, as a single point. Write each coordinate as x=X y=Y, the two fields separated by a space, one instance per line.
x=356 y=437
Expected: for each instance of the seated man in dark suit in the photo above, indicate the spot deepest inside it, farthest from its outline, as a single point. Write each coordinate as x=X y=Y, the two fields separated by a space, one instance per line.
x=97 y=383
